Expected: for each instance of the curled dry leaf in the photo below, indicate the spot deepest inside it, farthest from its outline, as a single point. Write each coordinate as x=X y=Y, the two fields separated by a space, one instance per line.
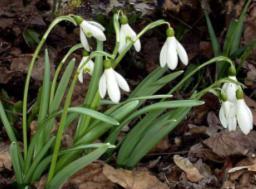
x=232 y=143
x=191 y=171
x=5 y=158
x=91 y=177
x=133 y=179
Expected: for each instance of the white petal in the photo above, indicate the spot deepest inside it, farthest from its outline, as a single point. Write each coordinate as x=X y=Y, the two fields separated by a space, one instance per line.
x=80 y=69
x=172 y=58
x=222 y=117
x=230 y=89
x=112 y=86
x=80 y=76
x=244 y=117
x=103 y=86
x=90 y=66
x=182 y=53
x=227 y=115
x=230 y=115
x=98 y=25
x=122 y=82
x=163 y=55
x=122 y=39
x=131 y=33
x=93 y=30
x=84 y=40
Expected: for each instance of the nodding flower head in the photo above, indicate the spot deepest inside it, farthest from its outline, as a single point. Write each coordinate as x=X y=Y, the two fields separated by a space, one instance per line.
x=85 y=67
x=89 y=29
x=111 y=82
x=233 y=113
x=171 y=50
x=127 y=35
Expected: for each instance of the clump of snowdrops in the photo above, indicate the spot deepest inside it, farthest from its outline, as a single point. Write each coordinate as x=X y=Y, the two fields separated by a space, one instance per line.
x=42 y=152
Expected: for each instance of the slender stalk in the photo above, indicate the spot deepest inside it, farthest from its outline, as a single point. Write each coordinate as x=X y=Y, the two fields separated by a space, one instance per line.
x=25 y=96
x=215 y=60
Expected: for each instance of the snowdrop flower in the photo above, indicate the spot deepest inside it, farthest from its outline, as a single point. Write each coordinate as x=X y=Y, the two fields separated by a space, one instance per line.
x=127 y=34
x=236 y=113
x=227 y=114
x=111 y=82
x=85 y=67
x=243 y=113
x=171 y=50
x=230 y=88
x=90 y=29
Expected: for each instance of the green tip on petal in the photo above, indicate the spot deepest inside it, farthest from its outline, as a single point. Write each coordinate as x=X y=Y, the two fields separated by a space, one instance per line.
x=170 y=32
x=85 y=53
x=124 y=19
x=239 y=93
x=78 y=19
x=107 y=64
x=232 y=71
x=223 y=97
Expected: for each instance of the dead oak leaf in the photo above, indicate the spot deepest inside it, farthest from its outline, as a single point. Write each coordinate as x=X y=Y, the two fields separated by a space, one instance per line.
x=191 y=171
x=133 y=179
x=5 y=158
x=90 y=177
x=232 y=143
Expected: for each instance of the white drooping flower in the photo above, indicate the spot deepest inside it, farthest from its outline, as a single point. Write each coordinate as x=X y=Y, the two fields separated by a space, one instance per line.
x=227 y=115
x=126 y=35
x=230 y=88
x=111 y=82
x=85 y=68
x=244 y=116
x=91 y=29
x=171 y=51
x=233 y=113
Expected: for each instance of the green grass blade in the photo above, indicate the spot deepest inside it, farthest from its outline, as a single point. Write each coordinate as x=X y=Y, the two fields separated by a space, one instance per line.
x=45 y=89
x=160 y=105
x=99 y=129
x=16 y=162
x=38 y=158
x=60 y=92
x=154 y=135
x=75 y=166
x=7 y=124
x=213 y=37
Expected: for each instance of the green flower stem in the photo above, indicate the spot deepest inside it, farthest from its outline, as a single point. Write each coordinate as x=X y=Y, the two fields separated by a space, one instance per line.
x=117 y=30
x=215 y=60
x=56 y=75
x=25 y=96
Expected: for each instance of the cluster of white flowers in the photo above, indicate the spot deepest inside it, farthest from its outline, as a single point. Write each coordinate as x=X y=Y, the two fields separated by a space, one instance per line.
x=234 y=110
x=111 y=81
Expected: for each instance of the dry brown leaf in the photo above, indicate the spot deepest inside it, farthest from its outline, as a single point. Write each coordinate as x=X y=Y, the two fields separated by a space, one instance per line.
x=133 y=179
x=232 y=143
x=191 y=171
x=91 y=177
x=5 y=158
